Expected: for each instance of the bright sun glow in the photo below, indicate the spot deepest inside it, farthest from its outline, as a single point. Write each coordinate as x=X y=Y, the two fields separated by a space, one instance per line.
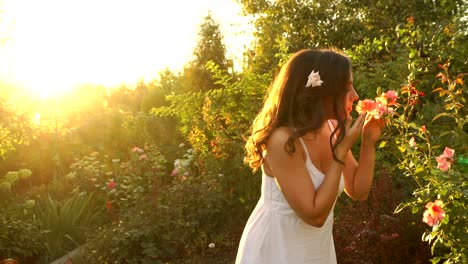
x=54 y=45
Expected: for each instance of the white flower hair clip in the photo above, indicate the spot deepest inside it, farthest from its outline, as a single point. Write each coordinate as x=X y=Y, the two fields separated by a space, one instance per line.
x=314 y=79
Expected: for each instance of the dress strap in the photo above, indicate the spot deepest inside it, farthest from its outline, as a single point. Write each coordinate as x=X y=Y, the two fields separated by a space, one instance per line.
x=332 y=128
x=305 y=147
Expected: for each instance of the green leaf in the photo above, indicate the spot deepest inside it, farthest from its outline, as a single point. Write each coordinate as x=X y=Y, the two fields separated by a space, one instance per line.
x=440 y=115
x=402 y=149
x=443 y=134
x=382 y=144
x=419 y=169
x=413 y=125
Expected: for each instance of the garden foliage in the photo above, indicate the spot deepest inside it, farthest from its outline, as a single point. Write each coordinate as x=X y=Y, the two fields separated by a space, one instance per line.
x=155 y=174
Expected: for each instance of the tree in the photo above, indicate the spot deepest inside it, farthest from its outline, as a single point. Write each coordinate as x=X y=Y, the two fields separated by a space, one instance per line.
x=167 y=84
x=15 y=128
x=210 y=48
x=286 y=26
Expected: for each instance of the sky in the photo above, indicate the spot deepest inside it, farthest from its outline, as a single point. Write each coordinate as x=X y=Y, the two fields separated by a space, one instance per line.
x=53 y=45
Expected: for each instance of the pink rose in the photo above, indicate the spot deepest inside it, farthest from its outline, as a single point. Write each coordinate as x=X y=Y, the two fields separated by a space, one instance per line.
x=379 y=111
x=448 y=152
x=365 y=106
x=442 y=164
x=434 y=213
x=445 y=160
x=376 y=109
x=391 y=97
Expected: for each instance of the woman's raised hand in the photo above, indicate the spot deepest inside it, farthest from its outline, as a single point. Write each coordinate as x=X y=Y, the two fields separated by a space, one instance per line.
x=352 y=133
x=372 y=131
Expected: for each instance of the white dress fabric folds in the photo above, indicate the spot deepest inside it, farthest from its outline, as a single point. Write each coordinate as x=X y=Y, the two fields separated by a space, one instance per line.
x=274 y=234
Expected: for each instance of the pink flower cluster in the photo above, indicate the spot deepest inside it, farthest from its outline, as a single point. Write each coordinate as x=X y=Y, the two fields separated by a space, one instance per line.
x=137 y=150
x=378 y=107
x=445 y=160
x=434 y=213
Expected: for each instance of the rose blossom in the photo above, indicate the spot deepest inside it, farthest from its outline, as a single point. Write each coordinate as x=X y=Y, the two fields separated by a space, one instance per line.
x=365 y=106
x=314 y=79
x=434 y=213
x=391 y=97
x=378 y=107
x=448 y=152
x=445 y=160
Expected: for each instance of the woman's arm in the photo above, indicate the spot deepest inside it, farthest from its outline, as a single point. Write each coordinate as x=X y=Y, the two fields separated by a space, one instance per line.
x=359 y=175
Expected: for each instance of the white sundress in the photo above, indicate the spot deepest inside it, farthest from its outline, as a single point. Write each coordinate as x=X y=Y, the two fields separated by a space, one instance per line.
x=274 y=233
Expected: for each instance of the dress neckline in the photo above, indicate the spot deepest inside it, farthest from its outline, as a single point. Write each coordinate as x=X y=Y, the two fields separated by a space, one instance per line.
x=308 y=160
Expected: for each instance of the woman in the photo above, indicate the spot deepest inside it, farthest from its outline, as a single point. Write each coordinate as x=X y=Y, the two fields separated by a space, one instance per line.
x=301 y=140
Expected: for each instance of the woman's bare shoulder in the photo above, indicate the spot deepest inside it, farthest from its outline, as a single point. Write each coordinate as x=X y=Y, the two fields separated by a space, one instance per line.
x=278 y=137
x=277 y=140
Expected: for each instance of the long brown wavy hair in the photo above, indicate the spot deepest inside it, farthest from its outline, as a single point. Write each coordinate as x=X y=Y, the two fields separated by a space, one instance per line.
x=302 y=109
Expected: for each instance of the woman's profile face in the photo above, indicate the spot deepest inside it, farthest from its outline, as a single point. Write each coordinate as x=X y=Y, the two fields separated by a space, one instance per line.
x=351 y=96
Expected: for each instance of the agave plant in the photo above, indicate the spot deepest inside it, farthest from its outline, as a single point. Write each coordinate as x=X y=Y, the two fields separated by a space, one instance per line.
x=68 y=221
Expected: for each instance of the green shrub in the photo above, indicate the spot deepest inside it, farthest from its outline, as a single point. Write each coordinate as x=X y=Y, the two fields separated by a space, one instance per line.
x=21 y=239
x=189 y=214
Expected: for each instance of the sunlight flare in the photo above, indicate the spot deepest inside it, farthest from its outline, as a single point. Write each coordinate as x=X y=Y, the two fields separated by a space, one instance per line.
x=56 y=45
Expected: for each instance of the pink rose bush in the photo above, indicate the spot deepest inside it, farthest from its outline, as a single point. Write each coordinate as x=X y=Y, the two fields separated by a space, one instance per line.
x=434 y=213
x=379 y=107
x=435 y=173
